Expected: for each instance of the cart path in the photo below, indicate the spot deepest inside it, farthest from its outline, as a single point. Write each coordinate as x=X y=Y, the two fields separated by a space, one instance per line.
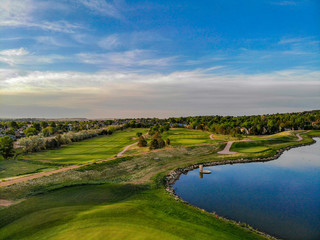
x=12 y=180
x=226 y=149
x=125 y=149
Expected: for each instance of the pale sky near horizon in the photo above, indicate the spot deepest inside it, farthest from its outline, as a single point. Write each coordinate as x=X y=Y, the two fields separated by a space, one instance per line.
x=138 y=58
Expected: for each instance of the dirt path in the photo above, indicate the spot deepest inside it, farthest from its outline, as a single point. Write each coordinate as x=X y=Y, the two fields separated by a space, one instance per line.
x=12 y=180
x=211 y=137
x=299 y=137
x=226 y=150
x=125 y=149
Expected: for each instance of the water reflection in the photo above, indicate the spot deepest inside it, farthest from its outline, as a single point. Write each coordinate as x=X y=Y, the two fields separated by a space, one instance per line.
x=279 y=197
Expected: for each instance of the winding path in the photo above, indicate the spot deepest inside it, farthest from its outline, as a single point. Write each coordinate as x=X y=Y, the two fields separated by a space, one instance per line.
x=226 y=149
x=125 y=149
x=211 y=137
x=12 y=180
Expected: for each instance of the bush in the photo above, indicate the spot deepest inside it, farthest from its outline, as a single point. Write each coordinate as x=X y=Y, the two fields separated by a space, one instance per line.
x=142 y=142
x=6 y=147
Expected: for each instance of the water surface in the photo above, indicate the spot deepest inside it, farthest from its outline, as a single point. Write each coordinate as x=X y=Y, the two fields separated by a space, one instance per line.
x=280 y=197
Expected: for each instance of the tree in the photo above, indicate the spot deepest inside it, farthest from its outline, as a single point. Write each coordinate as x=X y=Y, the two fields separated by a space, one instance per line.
x=37 y=126
x=47 y=131
x=139 y=134
x=13 y=125
x=153 y=144
x=44 y=125
x=30 y=132
x=6 y=147
x=168 y=141
x=142 y=142
x=10 y=131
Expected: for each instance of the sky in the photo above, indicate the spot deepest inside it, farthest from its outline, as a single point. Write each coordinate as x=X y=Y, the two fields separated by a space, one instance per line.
x=137 y=58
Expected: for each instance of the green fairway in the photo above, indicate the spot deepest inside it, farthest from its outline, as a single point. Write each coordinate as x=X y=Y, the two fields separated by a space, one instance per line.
x=94 y=149
x=179 y=137
x=131 y=203
x=314 y=133
x=9 y=168
x=185 y=137
x=248 y=147
x=112 y=212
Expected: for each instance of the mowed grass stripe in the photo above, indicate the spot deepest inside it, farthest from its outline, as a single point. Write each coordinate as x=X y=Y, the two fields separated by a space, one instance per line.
x=94 y=149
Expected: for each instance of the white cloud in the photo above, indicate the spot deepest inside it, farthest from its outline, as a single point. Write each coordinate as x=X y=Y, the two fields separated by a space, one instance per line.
x=111 y=42
x=22 y=13
x=21 y=56
x=14 y=52
x=136 y=57
x=101 y=7
x=131 y=40
x=124 y=94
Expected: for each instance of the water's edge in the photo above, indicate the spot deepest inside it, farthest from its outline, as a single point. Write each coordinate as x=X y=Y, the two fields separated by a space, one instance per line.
x=174 y=176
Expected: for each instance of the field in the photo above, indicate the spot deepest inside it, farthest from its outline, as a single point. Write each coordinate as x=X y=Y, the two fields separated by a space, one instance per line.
x=182 y=137
x=124 y=198
x=9 y=168
x=91 y=150
x=112 y=212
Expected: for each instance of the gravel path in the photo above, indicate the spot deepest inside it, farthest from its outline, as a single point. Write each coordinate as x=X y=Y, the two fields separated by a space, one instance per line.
x=12 y=180
x=125 y=149
x=226 y=150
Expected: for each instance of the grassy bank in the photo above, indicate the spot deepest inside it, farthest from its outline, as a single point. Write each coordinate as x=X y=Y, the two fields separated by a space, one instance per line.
x=113 y=212
x=131 y=203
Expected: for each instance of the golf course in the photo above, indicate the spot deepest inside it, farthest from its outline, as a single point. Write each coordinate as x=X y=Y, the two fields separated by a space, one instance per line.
x=109 y=197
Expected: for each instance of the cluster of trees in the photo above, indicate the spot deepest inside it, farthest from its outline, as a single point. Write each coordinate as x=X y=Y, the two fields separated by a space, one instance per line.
x=156 y=139
x=6 y=147
x=39 y=142
x=255 y=125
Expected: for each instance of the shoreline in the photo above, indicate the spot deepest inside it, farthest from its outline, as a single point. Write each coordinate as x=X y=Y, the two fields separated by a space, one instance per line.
x=174 y=176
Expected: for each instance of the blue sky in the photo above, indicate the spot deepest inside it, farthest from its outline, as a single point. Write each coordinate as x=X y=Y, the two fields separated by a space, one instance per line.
x=99 y=58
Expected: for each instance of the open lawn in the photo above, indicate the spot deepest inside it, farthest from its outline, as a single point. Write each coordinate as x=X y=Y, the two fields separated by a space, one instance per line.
x=131 y=203
x=314 y=133
x=182 y=137
x=112 y=212
x=9 y=168
x=90 y=150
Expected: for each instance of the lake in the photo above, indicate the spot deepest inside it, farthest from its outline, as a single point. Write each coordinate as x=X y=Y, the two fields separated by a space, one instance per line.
x=279 y=197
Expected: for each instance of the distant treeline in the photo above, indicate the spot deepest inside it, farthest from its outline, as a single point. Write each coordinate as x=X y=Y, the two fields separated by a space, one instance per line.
x=38 y=143
x=255 y=125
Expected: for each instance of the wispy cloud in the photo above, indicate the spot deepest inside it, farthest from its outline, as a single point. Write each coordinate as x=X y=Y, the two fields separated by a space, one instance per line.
x=129 y=40
x=115 y=94
x=136 y=57
x=104 y=8
x=111 y=42
x=21 y=13
x=21 y=56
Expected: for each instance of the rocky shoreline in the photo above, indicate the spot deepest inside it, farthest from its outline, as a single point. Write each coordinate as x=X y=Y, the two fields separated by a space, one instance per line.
x=174 y=175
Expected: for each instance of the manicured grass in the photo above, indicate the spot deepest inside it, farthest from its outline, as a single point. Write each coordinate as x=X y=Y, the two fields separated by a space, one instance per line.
x=9 y=168
x=186 y=137
x=180 y=137
x=112 y=212
x=118 y=210
x=314 y=133
x=90 y=150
